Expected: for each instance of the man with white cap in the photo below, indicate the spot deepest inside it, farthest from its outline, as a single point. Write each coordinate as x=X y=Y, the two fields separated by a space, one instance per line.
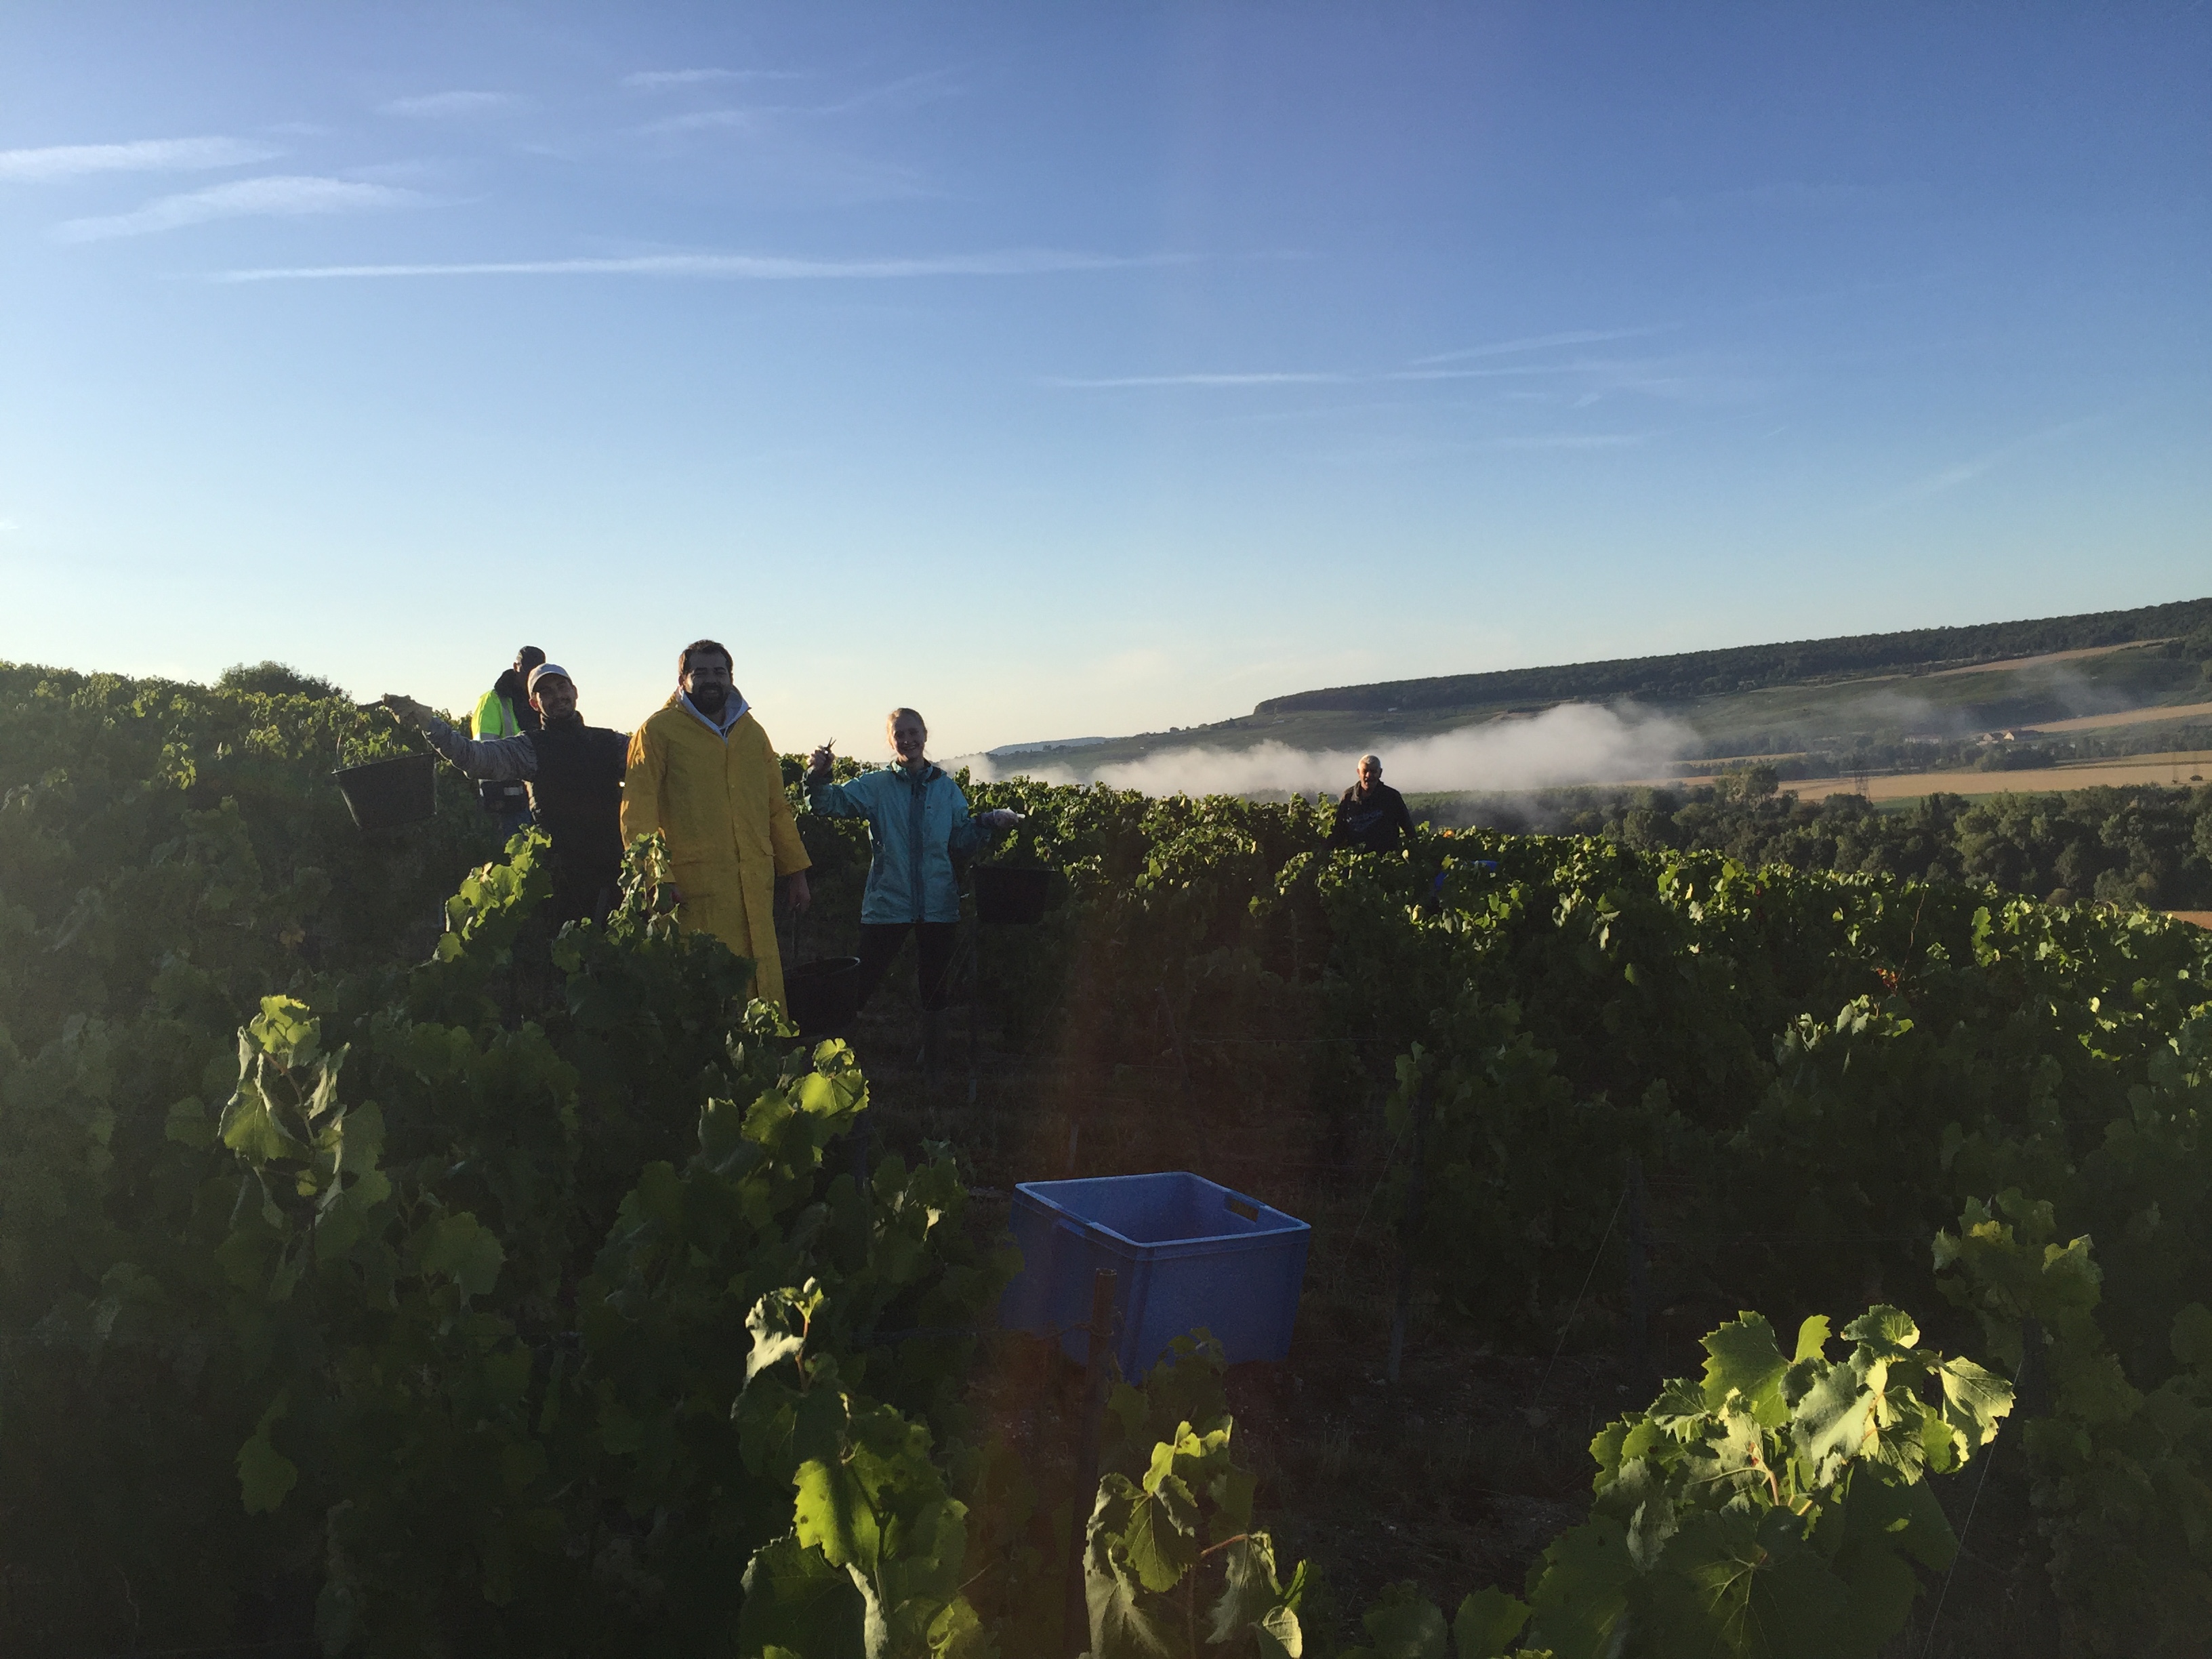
x=574 y=775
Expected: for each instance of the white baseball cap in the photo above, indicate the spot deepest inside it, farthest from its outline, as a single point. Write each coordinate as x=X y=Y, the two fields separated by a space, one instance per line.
x=544 y=669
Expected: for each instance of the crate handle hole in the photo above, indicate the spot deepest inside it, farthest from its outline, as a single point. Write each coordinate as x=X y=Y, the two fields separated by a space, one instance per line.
x=1244 y=1208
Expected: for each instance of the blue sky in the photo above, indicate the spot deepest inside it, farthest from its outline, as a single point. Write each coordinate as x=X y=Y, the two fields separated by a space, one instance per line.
x=1065 y=369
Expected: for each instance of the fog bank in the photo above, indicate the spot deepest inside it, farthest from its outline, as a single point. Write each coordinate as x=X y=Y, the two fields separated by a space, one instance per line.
x=1571 y=743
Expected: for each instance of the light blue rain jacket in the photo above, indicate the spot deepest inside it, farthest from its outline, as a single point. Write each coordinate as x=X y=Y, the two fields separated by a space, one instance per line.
x=916 y=826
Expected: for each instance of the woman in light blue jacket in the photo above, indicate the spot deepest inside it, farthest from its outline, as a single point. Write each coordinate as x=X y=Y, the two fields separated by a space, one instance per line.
x=918 y=823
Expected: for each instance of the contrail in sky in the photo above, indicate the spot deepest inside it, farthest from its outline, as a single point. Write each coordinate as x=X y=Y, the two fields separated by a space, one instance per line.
x=1016 y=262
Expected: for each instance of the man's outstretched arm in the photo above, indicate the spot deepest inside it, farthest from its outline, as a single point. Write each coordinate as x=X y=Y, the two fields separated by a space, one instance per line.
x=499 y=759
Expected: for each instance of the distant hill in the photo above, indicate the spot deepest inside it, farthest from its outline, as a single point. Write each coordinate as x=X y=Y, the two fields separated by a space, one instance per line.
x=1858 y=697
x=1047 y=746
x=1695 y=674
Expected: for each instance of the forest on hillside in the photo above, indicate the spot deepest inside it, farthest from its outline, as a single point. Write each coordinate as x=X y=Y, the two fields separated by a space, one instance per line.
x=1684 y=676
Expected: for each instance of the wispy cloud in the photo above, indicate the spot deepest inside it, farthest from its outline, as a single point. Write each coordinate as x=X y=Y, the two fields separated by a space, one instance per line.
x=1794 y=196
x=1016 y=262
x=1537 y=342
x=908 y=92
x=1374 y=450
x=279 y=197
x=439 y=106
x=1515 y=371
x=1565 y=440
x=1966 y=471
x=143 y=155
x=1287 y=377
x=8 y=527
x=660 y=79
x=1670 y=379
x=1651 y=378
x=422 y=171
x=704 y=120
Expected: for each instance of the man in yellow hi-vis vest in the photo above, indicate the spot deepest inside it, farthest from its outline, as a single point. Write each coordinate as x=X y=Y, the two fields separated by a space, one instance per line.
x=704 y=773
x=505 y=712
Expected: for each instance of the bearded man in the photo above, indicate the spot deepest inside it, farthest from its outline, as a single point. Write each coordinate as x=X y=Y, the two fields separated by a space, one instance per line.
x=573 y=773
x=704 y=774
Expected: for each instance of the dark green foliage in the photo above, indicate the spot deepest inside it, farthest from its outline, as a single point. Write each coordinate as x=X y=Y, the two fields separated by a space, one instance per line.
x=274 y=679
x=1775 y=1507
x=2120 y=1472
x=1173 y=936
x=458 y=1353
x=2140 y=844
x=494 y=1292
x=430 y=1339
x=180 y=849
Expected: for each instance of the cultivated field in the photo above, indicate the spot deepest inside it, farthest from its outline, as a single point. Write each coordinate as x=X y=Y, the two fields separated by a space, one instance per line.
x=2129 y=717
x=2173 y=768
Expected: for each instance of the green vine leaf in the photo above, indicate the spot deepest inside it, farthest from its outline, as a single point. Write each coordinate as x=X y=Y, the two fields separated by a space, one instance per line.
x=265 y=1475
x=464 y=1249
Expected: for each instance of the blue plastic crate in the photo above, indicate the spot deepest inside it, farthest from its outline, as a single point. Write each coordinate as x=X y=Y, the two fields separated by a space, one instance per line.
x=1185 y=1253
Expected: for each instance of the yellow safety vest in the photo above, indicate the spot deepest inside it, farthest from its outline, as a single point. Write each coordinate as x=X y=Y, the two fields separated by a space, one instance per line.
x=494 y=718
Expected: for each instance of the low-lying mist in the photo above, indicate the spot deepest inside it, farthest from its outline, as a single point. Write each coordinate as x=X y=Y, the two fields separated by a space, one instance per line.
x=1572 y=742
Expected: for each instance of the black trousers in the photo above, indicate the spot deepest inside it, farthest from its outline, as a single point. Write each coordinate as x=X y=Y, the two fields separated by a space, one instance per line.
x=881 y=942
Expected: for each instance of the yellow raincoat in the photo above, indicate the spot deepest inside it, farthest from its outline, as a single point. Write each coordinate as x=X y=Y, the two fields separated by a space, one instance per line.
x=720 y=801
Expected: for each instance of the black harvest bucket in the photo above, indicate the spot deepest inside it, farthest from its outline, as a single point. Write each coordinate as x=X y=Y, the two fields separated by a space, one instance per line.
x=384 y=793
x=1013 y=893
x=823 y=995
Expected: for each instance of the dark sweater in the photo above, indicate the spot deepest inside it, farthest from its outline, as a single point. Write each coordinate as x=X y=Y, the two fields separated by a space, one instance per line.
x=576 y=793
x=1372 y=820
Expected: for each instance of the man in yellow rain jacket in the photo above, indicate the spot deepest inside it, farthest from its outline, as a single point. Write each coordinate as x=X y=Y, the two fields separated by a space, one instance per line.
x=704 y=773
